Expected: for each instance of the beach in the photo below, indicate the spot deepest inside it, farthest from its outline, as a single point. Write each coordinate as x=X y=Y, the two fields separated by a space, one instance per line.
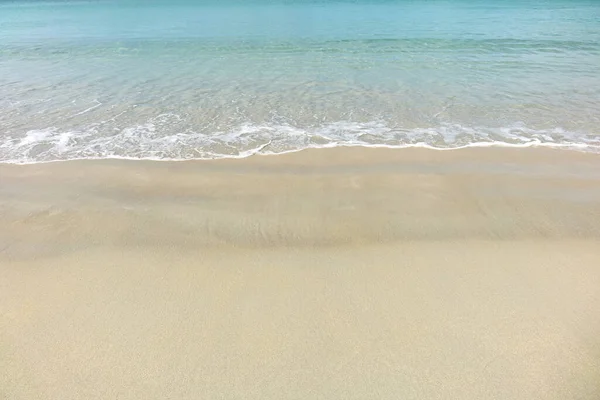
x=299 y=199
x=349 y=272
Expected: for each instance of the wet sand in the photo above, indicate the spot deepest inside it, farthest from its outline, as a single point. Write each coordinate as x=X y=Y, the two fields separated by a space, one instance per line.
x=336 y=273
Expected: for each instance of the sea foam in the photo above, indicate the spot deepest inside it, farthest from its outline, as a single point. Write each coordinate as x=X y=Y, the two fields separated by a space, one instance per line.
x=149 y=141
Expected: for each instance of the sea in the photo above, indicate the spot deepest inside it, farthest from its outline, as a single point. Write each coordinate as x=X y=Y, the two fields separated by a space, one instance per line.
x=206 y=79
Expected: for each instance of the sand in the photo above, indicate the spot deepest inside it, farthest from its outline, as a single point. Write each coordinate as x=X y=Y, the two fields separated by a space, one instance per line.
x=335 y=273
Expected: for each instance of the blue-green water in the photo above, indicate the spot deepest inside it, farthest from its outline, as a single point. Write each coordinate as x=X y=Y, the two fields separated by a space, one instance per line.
x=204 y=79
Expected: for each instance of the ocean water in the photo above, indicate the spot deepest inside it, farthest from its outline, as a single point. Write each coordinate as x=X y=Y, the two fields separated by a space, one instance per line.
x=196 y=79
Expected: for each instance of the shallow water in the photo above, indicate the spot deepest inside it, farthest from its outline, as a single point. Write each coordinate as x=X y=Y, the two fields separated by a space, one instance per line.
x=209 y=79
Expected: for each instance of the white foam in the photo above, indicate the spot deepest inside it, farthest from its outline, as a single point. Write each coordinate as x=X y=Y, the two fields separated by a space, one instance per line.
x=149 y=141
x=98 y=104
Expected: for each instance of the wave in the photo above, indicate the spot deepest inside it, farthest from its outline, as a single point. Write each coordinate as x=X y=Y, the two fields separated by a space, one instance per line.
x=150 y=141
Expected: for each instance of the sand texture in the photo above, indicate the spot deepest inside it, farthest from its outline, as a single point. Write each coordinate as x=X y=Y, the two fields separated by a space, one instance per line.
x=339 y=273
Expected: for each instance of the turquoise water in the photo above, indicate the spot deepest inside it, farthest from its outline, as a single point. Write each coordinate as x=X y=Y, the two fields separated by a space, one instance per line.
x=207 y=79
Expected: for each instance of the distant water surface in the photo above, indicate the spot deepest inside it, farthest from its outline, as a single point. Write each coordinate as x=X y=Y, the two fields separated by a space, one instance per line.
x=208 y=79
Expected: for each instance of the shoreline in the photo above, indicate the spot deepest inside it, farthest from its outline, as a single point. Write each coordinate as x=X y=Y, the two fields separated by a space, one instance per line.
x=322 y=197
x=577 y=147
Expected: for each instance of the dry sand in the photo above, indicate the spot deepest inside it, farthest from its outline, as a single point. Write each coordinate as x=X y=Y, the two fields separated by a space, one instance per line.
x=338 y=273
